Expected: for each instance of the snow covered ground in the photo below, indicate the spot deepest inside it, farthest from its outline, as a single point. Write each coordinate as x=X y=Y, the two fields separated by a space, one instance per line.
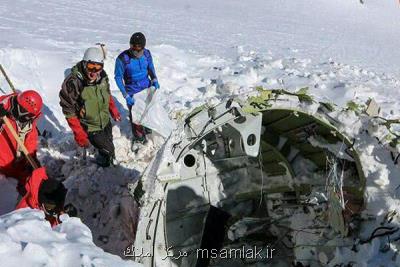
x=204 y=51
x=26 y=239
x=189 y=39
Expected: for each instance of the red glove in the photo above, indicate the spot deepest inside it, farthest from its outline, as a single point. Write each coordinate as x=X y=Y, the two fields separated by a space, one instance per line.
x=114 y=110
x=80 y=135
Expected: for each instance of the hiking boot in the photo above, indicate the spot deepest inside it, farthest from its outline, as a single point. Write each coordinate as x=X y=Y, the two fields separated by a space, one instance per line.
x=104 y=161
x=140 y=140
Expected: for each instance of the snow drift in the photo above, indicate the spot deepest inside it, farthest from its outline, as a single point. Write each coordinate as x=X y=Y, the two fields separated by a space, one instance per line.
x=26 y=239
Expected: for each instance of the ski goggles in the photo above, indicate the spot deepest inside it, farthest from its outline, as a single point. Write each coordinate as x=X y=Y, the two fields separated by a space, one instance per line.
x=94 y=67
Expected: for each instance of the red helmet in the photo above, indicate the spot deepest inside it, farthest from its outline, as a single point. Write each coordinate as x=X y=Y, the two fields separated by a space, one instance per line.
x=31 y=101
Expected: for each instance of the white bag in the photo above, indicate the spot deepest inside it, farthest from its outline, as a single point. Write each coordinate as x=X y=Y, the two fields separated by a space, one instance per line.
x=148 y=112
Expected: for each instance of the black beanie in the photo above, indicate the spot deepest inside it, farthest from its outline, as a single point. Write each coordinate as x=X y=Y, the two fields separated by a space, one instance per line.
x=53 y=192
x=138 y=38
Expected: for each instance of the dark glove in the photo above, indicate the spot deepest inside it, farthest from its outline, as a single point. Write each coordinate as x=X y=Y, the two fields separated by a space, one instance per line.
x=3 y=111
x=71 y=210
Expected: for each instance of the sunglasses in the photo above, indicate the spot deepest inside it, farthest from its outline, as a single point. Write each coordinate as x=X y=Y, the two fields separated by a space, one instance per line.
x=94 y=67
x=23 y=114
x=50 y=210
x=137 y=47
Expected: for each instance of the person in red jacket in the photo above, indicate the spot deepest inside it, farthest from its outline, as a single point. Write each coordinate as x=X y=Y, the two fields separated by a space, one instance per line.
x=22 y=110
x=44 y=194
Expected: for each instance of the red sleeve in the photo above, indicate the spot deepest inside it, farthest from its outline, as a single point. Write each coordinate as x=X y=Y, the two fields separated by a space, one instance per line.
x=113 y=108
x=76 y=126
x=5 y=101
x=31 y=198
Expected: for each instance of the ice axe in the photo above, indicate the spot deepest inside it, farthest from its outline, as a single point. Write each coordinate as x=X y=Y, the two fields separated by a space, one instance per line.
x=20 y=143
x=7 y=78
x=103 y=49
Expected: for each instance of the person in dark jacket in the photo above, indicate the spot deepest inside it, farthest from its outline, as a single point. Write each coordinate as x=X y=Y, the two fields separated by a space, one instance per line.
x=134 y=72
x=87 y=104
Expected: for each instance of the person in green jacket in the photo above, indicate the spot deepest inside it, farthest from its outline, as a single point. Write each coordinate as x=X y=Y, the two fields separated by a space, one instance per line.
x=87 y=104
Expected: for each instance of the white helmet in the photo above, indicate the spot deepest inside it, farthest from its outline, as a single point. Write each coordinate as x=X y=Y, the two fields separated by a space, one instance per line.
x=94 y=54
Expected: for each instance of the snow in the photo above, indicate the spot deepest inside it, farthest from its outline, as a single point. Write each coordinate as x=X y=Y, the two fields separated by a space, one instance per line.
x=204 y=51
x=26 y=239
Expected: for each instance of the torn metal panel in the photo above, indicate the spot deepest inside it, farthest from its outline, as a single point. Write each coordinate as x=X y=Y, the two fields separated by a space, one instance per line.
x=268 y=165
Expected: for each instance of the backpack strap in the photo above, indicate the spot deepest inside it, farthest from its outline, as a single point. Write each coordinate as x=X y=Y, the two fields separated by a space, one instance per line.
x=126 y=59
x=147 y=54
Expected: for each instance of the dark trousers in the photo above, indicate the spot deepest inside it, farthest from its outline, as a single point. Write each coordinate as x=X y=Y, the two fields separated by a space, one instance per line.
x=103 y=141
x=21 y=172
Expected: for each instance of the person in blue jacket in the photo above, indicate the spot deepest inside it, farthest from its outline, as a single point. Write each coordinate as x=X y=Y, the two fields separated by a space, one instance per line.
x=134 y=72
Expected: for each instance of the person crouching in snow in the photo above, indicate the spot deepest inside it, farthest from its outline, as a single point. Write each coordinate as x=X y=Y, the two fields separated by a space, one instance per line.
x=44 y=194
x=134 y=72
x=22 y=110
x=87 y=104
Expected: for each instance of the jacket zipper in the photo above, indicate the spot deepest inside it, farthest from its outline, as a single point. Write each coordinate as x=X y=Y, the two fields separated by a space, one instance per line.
x=98 y=107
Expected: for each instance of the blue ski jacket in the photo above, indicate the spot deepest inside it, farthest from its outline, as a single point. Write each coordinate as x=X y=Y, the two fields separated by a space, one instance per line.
x=132 y=74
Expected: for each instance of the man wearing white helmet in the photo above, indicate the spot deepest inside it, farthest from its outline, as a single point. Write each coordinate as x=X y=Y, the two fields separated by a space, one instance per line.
x=87 y=104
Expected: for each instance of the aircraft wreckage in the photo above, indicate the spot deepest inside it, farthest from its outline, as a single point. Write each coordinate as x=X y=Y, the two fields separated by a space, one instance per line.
x=275 y=172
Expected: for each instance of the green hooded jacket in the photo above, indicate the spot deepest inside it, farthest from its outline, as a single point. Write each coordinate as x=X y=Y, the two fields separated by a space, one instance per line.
x=90 y=102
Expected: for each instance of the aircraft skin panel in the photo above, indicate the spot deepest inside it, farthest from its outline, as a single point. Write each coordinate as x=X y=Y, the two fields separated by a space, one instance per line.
x=213 y=165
